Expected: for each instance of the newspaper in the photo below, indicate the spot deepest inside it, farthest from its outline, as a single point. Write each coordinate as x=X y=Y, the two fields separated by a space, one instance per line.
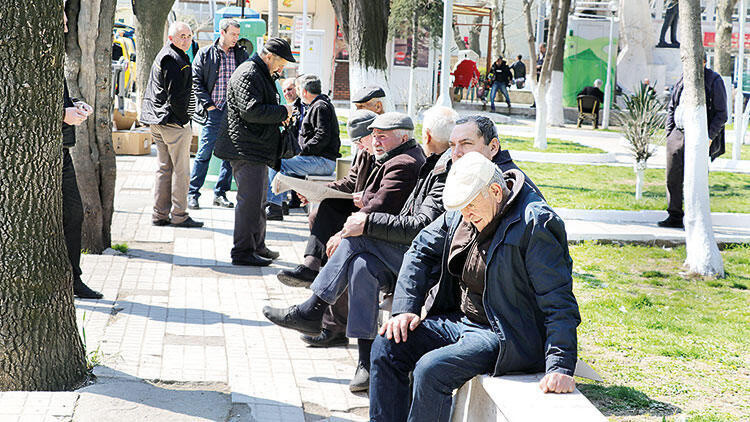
x=313 y=191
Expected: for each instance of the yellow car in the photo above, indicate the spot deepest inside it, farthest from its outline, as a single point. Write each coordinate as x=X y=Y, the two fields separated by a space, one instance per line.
x=123 y=51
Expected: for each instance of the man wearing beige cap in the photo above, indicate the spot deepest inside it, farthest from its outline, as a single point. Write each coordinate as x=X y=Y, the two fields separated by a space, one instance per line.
x=494 y=276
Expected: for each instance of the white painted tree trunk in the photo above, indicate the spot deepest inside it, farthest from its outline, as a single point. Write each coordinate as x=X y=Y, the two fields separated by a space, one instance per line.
x=555 y=114
x=540 y=135
x=412 y=105
x=640 y=168
x=359 y=76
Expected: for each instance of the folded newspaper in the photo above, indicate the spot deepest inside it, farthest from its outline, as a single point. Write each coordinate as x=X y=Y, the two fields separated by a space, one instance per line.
x=313 y=191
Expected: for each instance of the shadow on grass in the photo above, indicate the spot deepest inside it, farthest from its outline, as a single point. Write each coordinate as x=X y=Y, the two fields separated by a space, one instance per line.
x=617 y=400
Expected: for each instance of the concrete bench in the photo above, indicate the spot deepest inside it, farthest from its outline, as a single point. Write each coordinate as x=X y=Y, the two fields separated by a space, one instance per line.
x=513 y=398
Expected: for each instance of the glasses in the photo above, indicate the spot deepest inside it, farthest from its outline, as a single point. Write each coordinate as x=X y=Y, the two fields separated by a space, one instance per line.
x=185 y=36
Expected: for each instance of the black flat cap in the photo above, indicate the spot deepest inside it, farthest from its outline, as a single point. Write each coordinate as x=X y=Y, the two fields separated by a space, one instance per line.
x=391 y=121
x=281 y=48
x=358 y=123
x=368 y=93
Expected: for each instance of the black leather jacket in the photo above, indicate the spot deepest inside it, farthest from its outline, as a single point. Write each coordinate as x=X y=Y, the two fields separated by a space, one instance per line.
x=169 y=87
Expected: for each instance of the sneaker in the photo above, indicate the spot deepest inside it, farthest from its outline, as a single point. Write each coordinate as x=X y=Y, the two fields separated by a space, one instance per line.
x=189 y=223
x=671 y=222
x=298 y=277
x=193 y=203
x=222 y=201
x=274 y=212
x=361 y=380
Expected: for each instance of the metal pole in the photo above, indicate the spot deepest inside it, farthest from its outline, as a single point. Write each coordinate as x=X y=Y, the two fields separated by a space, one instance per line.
x=489 y=45
x=303 y=47
x=444 y=99
x=608 y=87
x=273 y=18
x=739 y=121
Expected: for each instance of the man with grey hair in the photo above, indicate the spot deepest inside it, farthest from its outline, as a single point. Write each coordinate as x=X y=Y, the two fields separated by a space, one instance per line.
x=495 y=279
x=212 y=68
x=318 y=140
x=165 y=109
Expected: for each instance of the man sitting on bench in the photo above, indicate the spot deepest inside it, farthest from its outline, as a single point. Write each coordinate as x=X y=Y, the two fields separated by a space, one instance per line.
x=495 y=280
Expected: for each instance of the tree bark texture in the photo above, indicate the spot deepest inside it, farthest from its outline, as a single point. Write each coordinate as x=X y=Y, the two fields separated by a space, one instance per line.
x=499 y=44
x=40 y=348
x=368 y=42
x=88 y=69
x=474 y=34
x=723 y=50
x=341 y=9
x=556 y=50
x=150 y=18
x=703 y=255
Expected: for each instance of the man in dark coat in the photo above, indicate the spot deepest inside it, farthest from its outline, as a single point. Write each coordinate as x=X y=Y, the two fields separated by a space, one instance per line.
x=716 y=117
x=501 y=78
x=495 y=278
x=165 y=109
x=212 y=68
x=519 y=72
x=594 y=91
x=250 y=138
x=318 y=140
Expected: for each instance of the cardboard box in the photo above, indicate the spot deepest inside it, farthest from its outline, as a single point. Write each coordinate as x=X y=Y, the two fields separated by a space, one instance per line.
x=126 y=121
x=194 y=146
x=132 y=142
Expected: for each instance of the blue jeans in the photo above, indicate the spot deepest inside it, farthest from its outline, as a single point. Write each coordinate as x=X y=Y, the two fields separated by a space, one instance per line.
x=366 y=266
x=299 y=165
x=444 y=352
x=206 y=142
x=503 y=89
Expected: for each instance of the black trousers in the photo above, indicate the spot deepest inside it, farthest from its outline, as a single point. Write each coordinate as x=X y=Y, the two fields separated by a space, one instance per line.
x=675 y=173
x=72 y=214
x=249 y=215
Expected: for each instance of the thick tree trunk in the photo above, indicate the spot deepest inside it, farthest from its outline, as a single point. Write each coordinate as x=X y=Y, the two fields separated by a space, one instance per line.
x=556 y=44
x=341 y=9
x=703 y=255
x=39 y=344
x=723 y=49
x=474 y=33
x=367 y=45
x=498 y=38
x=88 y=68
x=150 y=18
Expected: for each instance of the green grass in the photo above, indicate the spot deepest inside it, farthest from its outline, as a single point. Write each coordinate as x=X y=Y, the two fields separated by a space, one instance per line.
x=554 y=145
x=608 y=187
x=121 y=247
x=665 y=345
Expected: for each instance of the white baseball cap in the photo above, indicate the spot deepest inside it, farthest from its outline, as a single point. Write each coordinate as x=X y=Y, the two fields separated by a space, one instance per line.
x=466 y=179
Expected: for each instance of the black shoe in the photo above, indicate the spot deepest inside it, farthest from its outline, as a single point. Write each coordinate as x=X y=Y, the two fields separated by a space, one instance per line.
x=290 y=318
x=326 y=338
x=298 y=277
x=285 y=208
x=222 y=201
x=274 y=212
x=663 y=44
x=160 y=223
x=193 y=203
x=267 y=253
x=361 y=380
x=671 y=222
x=82 y=291
x=189 y=223
x=253 y=260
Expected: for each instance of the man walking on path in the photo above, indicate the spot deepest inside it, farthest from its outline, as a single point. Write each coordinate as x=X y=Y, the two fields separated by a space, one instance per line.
x=165 y=109
x=212 y=68
x=519 y=72
x=501 y=77
x=250 y=137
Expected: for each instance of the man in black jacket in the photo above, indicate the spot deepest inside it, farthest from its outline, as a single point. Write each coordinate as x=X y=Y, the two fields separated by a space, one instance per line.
x=716 y=110
x=519 y=72
x=250 y=138
x=212 y=68
x=501 y=78
x=165 y=109
x=318 y=140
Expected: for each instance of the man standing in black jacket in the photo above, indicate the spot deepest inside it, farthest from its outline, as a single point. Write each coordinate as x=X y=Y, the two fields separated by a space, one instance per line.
x=250 y=138
x=501 y=78
x=212 y=68
x=318 y=140
x=165 y=109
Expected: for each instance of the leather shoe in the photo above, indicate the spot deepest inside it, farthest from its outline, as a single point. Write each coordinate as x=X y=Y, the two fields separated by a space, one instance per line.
x=671 y=222
x=161 y=223
x=298 y=277
x=82 y=291
x=253 y=260
x=274 y=212
x=189 y=223
x=361 y=380
x=193 y=203
x=267 y=253
x=285 y=208
x=290 y=318
x=222 y=201
x=326 y=338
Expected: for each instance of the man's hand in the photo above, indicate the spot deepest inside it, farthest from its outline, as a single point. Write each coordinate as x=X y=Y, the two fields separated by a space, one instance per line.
x=289 y=110
x=87 y=109
x=355 y=225
x=333 y=243
x=555 y=382
x=398 y=327
x=74 y=116
x=357 y=198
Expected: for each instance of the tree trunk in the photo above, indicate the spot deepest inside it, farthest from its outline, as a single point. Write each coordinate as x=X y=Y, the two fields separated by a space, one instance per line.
x=341 y=10
x=501 y=45
x=40 y=347
x=457 y=34
x=538 y=88
x=273 y=18
x=367 y=45
x=412 y=102
x=474 y=34
x=89 y=73
x=556 y=44
x=723 y=50
x=703 y=255
x=150 y=18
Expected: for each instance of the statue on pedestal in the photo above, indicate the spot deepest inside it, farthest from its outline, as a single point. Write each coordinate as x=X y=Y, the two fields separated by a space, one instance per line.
x=670 y=22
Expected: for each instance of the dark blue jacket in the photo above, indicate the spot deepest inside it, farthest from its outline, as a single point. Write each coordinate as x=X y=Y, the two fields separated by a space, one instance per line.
x=528 y=295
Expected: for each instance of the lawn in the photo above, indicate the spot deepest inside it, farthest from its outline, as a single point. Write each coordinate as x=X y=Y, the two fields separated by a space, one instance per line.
x=609 y=187
x=554 y=145
x=665 y=345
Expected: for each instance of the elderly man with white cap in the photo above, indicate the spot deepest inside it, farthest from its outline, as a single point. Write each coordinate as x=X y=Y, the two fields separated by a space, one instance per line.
x=494 y=276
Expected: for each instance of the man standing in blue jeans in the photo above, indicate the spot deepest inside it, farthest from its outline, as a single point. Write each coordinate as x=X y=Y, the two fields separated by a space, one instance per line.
x=318 y=140
x=501 y=77
x=212 y=68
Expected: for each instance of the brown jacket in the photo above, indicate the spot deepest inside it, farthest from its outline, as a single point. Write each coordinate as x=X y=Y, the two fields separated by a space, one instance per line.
x=357 y=177
x=392 y=179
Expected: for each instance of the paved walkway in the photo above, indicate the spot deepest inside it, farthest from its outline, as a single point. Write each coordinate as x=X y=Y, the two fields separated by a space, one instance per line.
x=180 y=335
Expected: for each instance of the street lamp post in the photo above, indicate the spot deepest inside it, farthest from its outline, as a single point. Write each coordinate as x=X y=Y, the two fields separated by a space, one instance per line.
x=444 y=98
